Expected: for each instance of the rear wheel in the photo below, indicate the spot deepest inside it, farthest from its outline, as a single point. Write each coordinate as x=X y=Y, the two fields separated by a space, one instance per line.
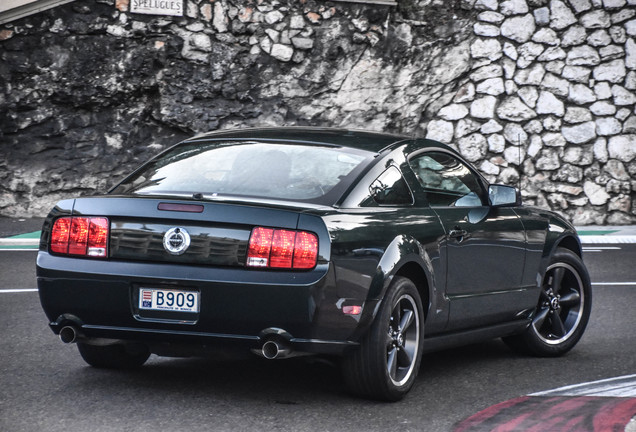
x=563 y=309
x=387 y=362
x=118 y=356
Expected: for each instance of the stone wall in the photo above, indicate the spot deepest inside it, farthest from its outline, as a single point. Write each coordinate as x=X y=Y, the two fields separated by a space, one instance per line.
x=537 y=92
x=550 y=96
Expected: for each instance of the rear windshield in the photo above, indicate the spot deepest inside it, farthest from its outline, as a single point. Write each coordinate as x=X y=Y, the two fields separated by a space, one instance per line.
x=253 y=169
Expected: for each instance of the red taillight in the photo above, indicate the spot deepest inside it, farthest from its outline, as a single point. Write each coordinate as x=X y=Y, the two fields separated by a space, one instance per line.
x=97 y=237
x=260 y=247
x=79 y=236
x=59 y=235
x=84 y=236
x=280 y=248
x=305 y=250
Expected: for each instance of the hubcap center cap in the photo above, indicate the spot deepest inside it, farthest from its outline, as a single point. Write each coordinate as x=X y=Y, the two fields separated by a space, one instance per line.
x=400 y=340
x=554 y=303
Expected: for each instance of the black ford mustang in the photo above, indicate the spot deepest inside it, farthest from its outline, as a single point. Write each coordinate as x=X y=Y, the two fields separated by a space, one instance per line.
x=289 y=241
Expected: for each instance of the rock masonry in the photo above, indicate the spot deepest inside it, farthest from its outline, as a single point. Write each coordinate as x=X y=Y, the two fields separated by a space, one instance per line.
x=533 y=92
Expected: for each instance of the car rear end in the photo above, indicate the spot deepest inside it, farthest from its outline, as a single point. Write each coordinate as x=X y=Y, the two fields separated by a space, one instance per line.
x=183 y=266
x=205 y=295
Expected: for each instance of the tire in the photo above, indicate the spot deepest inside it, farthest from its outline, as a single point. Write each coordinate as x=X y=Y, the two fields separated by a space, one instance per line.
x=386 y=364
x=117 y=356
x=563 y=310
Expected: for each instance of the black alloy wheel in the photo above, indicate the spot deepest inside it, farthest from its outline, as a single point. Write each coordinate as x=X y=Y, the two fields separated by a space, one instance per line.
x=563 y=309
x=402 y=340
x=561 y=306
x=388 y=360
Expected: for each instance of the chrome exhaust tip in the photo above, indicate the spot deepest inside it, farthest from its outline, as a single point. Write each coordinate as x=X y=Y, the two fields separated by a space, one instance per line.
x=273 y=350
x=68 y=334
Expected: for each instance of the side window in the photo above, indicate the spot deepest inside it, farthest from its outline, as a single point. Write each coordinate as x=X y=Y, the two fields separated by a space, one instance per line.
x=390 y=188
x=447 y=181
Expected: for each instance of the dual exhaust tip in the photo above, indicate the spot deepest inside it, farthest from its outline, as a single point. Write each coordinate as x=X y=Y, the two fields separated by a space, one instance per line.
x=271 y=349
x=69 y=334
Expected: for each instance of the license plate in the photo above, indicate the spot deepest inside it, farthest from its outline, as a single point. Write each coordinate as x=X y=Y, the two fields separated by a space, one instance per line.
x=168 y=300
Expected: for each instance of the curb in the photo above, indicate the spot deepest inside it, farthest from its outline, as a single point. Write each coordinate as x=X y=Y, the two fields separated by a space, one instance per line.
x=27 y=241
x=607 y=239
x=608 y=404
x=19 y=242
x=556 y=414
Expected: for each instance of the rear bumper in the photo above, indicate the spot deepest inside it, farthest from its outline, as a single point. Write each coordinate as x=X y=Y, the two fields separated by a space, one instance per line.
x=238 y=308
x=178 y=343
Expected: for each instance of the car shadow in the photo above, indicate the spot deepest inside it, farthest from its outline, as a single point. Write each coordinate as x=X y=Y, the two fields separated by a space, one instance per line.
x=281 y=381
x=287 y=381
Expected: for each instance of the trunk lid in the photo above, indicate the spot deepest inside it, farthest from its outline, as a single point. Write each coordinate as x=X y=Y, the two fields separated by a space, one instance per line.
x=219 y=232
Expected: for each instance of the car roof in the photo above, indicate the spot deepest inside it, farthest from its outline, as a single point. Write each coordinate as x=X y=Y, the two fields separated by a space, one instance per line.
x=364 y=140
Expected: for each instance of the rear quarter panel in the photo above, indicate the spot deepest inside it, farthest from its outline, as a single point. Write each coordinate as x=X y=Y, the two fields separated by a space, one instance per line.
x=370 y=246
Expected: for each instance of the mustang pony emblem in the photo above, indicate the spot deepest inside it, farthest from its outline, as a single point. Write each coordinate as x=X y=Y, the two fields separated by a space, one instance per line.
x=176 y=241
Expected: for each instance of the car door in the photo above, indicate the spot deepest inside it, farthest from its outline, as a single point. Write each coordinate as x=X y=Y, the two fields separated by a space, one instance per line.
x=485 y=246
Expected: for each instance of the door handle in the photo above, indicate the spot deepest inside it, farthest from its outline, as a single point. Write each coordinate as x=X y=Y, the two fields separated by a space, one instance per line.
x=457 y=233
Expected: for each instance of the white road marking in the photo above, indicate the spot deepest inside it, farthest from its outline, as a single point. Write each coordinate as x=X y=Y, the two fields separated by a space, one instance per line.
x=624 y=386
x=615 y=283
x=17 y=290
x=601 y=248
x=18 y=250
x=607 y=239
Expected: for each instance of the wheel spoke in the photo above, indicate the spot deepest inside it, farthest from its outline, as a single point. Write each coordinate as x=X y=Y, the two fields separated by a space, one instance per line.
x=557 y=279
x=407 y=320
x=392 y=362
x=389 y=340
x=396 y=316
x=404 y=358
x=539 y=319
x=571 y=299
x=557 y=325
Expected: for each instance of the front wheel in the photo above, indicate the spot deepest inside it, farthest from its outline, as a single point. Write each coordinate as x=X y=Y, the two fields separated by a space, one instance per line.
x=387 y=362
x=563 y=309
x=118 y=356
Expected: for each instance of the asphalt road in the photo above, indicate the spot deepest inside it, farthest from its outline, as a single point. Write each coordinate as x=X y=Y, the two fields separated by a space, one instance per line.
x=45 y=386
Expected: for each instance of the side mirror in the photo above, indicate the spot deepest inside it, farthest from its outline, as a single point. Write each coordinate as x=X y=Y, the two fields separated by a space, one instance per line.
x=503 y=196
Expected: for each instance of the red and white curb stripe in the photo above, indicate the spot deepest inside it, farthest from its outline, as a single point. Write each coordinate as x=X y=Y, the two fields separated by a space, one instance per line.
x=599 y=406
